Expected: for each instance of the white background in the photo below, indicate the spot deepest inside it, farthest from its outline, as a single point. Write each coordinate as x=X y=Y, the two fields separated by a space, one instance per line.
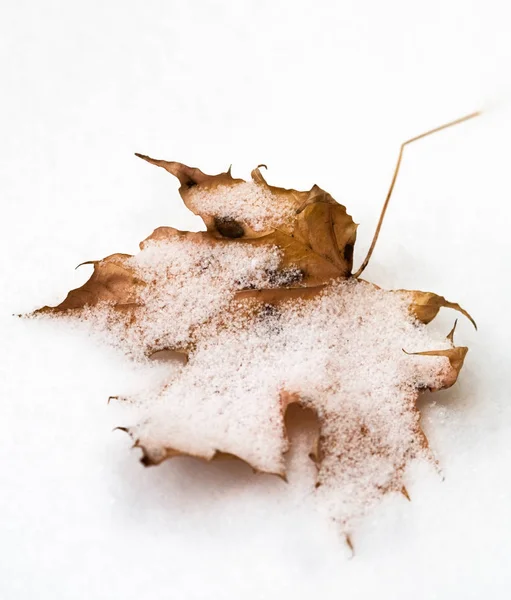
x=322 y=92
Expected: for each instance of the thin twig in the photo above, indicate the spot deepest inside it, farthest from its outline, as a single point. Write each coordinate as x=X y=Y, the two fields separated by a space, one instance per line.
x=396 y=171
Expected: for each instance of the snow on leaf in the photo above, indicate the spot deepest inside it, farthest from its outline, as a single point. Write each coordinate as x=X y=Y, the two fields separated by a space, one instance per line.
x=265 y=306
x=235 y=208
x=112 y=281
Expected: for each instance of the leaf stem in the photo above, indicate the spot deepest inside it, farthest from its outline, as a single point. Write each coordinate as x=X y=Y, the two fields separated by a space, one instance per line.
x=393 y=182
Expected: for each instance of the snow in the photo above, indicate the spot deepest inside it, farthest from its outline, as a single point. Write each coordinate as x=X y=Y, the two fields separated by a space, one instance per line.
x=247 y=201
x=184 y=282
x=321 y=96
x=341 y=354
x=344 y=363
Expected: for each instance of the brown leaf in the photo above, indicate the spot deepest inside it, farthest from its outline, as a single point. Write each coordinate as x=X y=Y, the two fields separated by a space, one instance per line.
x=266 y=309
x=425 y=306
x=114 y=281
x=328 y=230
x=189 y=177
x=275 y=296
x=111 y=281
x=456 y=358
x=153 y=455
x=314 y=268
x=153 y=458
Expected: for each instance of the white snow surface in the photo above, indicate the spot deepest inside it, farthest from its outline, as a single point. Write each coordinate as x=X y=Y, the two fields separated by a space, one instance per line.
x=322 y=96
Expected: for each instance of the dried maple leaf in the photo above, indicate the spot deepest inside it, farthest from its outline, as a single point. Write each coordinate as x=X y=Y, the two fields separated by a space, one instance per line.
x=234 y=208
x=266 y=308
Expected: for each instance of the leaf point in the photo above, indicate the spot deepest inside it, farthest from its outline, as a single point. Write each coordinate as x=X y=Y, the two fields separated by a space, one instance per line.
x=87 y=262
x=349 y=543
x=450 y=335
x=120 y=428
x=405 y=493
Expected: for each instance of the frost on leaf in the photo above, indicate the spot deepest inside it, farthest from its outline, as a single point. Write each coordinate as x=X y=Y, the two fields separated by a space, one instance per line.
x=268 y=313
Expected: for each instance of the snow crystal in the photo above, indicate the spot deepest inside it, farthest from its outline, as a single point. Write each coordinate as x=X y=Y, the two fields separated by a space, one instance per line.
x=248 y=202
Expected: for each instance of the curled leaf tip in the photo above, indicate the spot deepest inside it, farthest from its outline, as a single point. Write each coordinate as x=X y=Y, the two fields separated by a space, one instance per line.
x=426 y=305
x=257 y=175
x=87 y=262
x=119 y=428
x=463 y=312
x=450 y=335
